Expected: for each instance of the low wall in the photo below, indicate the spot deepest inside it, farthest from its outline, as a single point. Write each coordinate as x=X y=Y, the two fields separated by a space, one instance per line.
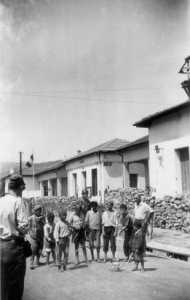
x=169 y=212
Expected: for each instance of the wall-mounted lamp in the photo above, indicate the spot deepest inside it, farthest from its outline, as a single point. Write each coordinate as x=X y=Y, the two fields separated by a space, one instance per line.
x=157 y=149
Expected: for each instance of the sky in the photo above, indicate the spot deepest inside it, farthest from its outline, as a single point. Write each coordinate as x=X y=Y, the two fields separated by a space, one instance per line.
x=77 y=73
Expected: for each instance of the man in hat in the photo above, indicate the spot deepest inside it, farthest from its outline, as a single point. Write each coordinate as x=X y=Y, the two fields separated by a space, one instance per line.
x=36 y=232
x=13 y=227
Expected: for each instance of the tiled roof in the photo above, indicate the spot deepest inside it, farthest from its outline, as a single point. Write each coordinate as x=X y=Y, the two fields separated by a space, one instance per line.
x=28 y=171
x=147 y=121
x=40 y=168
x=109 y=146
x=141 y=140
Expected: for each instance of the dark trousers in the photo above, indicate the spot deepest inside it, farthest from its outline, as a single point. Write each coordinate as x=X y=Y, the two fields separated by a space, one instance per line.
x=109 y=237
x=12 y=270
x=127 y=244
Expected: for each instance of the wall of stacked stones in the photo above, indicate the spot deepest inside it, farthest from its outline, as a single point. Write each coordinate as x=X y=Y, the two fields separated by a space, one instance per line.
x=169 y=212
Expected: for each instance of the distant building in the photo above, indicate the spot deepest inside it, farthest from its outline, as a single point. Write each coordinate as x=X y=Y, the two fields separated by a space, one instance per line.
x=34 y=178
x=96 y=170
x=169 y=149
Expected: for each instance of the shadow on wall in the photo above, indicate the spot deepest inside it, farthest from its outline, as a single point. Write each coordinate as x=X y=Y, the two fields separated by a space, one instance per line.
x=115 y=170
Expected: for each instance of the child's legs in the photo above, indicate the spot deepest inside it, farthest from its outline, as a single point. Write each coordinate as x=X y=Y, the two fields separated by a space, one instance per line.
x=76 y=243
x=106 y=240
x=53 y=254
x=142 y=263
x=91 y=243
x=66 y=250
x=34 y=250
x=84 y=253
x=59 y=253
x=47 y=257
x=113 y=242
x=126 y=246
x=97 y=243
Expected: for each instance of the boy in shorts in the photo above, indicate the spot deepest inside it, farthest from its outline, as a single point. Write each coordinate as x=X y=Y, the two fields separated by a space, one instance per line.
x=93 y=221
x=61 y=234
x=49 y=241
x=78 y=224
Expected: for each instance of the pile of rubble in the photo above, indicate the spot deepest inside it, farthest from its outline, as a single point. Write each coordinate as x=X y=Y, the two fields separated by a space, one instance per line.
x=172 y=213
x=169 y=212
x=54 y=203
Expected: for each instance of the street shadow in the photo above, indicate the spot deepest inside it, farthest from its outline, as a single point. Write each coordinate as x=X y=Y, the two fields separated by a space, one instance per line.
x=150 y=269
x=76 y=267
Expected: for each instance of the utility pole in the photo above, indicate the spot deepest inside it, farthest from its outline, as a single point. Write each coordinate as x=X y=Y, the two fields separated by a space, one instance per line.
x=20 y=163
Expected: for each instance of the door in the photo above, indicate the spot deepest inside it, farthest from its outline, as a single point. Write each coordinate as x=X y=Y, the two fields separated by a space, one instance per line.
x=94 y=182
x=133 y=180
x=185 y=170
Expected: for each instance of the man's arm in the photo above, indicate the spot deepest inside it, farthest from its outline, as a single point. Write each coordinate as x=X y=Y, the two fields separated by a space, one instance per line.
x=21 y=217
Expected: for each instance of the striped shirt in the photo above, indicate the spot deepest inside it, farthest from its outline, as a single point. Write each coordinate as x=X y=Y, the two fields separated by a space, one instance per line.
x=61 y=230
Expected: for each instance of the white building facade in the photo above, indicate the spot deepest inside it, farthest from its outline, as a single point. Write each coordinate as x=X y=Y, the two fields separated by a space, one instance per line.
x=169 y=150
x=95 y=173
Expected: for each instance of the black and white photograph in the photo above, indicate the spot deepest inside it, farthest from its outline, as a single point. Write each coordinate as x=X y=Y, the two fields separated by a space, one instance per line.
x=95 y=149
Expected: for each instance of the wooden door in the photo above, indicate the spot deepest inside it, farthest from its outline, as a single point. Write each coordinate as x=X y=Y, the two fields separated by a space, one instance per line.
x=185 y=170
x=133 y=180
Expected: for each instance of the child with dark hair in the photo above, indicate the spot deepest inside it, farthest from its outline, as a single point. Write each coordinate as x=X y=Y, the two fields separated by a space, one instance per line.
x=93 y=221
x=139 y=243
x=109 y=229
x=49 y=240
x=78 y=224
x=126 y=223
x=36 y=232
x=61 y=234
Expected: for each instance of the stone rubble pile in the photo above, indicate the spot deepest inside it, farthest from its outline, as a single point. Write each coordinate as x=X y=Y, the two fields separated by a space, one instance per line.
x=169 y=212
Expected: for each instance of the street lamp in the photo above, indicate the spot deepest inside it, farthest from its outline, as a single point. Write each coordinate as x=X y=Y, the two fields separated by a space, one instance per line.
x=185 y=69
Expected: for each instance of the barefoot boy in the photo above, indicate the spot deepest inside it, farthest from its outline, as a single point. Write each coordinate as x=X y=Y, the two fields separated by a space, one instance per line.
x=49 y=240
x=93 y=221
x=61 y=235
x=36 y=232
x=127 y=227
x=78 y=224
x=109 y=229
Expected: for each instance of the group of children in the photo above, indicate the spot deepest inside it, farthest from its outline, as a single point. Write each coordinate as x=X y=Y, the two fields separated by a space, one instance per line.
x=82 y=226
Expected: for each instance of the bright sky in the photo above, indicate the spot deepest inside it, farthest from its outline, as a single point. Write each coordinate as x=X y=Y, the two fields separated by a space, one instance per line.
x=80 y=72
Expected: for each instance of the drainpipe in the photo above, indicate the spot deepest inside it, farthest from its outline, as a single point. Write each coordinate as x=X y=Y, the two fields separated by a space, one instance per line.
x=123 y=165
x=101 y=177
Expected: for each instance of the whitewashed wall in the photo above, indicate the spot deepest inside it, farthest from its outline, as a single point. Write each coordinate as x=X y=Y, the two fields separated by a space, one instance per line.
x=169 y=133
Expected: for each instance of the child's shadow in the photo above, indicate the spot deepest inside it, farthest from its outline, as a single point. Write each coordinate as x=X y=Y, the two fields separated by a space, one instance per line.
x=76 y=267
x=150 y=269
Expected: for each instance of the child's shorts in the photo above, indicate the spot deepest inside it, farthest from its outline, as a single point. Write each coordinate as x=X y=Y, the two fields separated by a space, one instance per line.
x=94 y=238
x=79 y=237
x=49 y=245
x=109 y=237
x=64 y=243
x=36 y=246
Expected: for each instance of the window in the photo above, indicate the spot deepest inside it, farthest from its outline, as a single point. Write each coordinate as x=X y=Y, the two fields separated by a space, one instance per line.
x=64 y=186
x=45 y=187
x=94 y=182
x=183 y=155
x=75 y=183
x=84 y=180
x=54 y=187
x=133 y=179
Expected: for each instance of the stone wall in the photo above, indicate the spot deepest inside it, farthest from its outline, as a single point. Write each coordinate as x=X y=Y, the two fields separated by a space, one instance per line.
x=169 y=212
